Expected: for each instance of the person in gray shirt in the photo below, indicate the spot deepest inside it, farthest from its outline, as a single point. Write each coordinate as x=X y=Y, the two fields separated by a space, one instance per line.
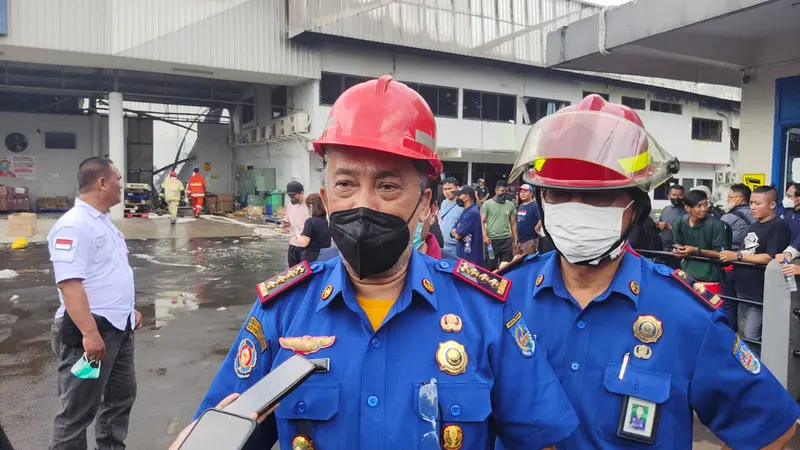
x=669 y=214
x=739 y=218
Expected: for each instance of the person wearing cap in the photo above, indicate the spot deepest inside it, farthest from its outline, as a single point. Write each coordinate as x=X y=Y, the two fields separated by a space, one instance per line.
x=482 y=192
x=296 y=216
x=172 y=193
x=468 y=230
x=417 y=351
x=197 y=191
x=499 y=217
x=622 y=332
x=528 y=221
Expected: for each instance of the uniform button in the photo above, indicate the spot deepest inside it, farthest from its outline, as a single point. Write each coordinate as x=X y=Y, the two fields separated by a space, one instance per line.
x=372 y=401
x=301 y=407
x=444 y=264
x=581 y=325
x=455 y=410
x=575 y=366
x=376 y=343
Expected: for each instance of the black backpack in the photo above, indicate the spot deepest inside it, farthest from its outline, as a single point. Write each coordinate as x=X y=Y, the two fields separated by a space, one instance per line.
x=708 y=228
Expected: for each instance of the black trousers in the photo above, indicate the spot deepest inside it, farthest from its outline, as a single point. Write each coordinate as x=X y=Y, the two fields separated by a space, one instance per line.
x=295 y=255
x=503 y=252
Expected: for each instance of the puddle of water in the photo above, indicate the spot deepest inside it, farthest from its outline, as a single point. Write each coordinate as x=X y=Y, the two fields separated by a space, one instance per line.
x=153 y=260
x=173 y=302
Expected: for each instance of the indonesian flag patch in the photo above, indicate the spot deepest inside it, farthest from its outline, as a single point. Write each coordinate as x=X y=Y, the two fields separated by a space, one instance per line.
x=63 y=244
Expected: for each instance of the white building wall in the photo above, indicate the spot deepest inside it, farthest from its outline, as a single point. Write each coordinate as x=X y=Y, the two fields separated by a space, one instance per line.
x=56 y=170
x=237 y=36
x=212 y=147
x=758 y=118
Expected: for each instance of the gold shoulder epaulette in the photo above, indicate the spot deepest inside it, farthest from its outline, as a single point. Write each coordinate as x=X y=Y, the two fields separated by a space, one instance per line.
x=281 y=282
x=483 y=279
x=697 y=289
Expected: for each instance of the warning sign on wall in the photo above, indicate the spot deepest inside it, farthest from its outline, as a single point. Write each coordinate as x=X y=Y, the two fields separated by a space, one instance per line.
x=754 y=180
x=17 y=166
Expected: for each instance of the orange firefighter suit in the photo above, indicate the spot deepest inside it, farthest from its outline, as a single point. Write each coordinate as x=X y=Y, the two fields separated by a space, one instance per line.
x=197 y=191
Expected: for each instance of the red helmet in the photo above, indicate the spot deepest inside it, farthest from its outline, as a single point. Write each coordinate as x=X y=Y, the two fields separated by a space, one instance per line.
x=594 y=145
x=172 y=173
x=386 y=116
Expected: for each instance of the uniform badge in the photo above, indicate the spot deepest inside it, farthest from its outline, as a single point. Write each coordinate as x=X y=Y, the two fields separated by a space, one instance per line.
x=301 y=442
x=63 y=244
x=255 y=328
x=326 y=293
x=426 y=283
x=488 y=282
x=522 y=335
x=634 y=287
x=451 y=323
x=306 y=345
x=647 y=329
x=100 y=241
x=698 y=290
x=451 y=357
x=539 y=280
x=246 y=358
x=452 y=437
x=746 y=357
x=282 y=281
x=642 y=352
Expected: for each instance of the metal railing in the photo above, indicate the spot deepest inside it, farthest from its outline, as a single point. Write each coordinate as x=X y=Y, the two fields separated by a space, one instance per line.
x=664 y=255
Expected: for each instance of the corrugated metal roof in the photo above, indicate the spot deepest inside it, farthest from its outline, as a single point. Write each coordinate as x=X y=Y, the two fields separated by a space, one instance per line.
x=246 y=35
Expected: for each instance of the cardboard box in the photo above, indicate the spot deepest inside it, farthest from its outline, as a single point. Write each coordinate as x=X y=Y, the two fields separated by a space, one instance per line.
x=21 y=204
x=5 y=191
x=4 y=204
x=22 y=225
x=225 y=197
x=19 y=191
x=226 y=206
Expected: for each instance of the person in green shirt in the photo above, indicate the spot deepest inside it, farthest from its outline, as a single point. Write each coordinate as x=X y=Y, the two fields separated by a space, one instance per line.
x=700 y=234
x=499 y=221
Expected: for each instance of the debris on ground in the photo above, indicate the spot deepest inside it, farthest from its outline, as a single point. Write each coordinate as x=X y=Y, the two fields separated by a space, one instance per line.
x=222 y=308
x=7 y=274
x=19 y=244
x=14 y=298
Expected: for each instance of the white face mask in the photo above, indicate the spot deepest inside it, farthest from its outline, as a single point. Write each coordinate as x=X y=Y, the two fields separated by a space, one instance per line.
x=584 y=232
x=788 y=203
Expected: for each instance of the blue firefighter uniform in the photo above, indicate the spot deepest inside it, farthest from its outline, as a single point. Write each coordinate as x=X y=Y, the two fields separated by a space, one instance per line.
x=682 y=357
x=448 y=323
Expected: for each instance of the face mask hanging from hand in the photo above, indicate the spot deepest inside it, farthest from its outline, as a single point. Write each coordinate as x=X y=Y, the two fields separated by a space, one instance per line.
x=85 y=369
x=584 y=232
x=370 y=241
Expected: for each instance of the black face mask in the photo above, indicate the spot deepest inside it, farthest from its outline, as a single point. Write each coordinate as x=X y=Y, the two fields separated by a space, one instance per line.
x=370 y=241
x=676 y=202
x=500 y=198
x=460 y=202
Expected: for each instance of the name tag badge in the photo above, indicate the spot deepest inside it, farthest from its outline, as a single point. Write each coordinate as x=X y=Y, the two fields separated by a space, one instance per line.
x=638 y=420
x=100 y=241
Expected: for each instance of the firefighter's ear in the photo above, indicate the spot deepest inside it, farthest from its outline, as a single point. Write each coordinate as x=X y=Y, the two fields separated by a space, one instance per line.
x=324 y=197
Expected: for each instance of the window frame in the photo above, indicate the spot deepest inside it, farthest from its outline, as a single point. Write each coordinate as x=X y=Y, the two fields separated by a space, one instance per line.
x=343 y=81
x=605 y=95
x=436 y=109
x=672 y=106
x=538 y=100
x=497 y=107
x=698 y=125
x=637 y=99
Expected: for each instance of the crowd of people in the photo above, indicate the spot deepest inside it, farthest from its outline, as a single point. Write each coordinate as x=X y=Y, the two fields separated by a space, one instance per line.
x=537 y=353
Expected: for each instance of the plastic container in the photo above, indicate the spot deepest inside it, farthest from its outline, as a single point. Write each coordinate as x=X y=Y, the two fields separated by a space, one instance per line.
x=791 y=283
x=490 y=250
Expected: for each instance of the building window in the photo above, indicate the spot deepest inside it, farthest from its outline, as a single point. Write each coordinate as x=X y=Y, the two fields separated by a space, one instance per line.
x=248 y=110
x=280 y=102
x=687 y=183
x=488 y=106
x=60 y=141
x=539 y=108
x=442 y=100
x=332 y=85
x=734 y=138
x=666 y=107
x=605 y=96
x=706 y=130
x=634 y=102
x=662 y=192
x=707 y=182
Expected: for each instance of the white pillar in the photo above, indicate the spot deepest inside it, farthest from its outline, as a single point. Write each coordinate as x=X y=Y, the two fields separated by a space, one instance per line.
x=95 y=124
x=116 y=143
x=469 y=173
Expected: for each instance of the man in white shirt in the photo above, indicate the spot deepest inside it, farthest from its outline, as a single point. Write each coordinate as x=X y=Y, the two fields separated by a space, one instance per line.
x=96 y=318
x=296 y=215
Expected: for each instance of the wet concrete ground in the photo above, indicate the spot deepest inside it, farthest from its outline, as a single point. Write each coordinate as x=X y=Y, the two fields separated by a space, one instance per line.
x=182 y=286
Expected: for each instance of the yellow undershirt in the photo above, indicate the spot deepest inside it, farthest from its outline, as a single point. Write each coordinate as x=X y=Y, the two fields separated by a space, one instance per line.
x=376 y=310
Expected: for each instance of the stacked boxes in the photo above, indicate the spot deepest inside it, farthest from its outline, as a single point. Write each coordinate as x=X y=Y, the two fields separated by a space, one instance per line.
x=22 y=225
x=14 y=199
x=52 y=203
x=225 y=203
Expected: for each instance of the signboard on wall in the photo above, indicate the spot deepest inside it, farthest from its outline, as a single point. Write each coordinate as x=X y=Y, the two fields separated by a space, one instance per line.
x=17 y=166
x=3 y=17
x=754 y=180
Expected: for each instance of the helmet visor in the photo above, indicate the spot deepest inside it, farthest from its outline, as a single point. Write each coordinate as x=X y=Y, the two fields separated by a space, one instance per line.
x=591 y=149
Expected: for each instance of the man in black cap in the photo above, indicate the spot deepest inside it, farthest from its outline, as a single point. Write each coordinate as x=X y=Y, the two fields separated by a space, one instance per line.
x=296 y=215
x=468 y=230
